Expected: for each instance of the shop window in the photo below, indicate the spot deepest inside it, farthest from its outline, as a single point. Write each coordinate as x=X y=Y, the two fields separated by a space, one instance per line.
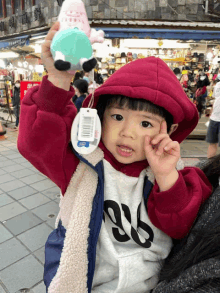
x=1 y=9
x=17 y=5
x=8 y=8
x=38 y=2
x=28 y=3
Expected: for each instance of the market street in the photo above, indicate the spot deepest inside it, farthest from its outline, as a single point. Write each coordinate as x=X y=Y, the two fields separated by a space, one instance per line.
x=116 y=227
x=29 y=204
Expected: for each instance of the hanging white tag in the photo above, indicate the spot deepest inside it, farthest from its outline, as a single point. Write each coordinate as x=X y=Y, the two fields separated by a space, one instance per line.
x=87 y=122
x=81 y=135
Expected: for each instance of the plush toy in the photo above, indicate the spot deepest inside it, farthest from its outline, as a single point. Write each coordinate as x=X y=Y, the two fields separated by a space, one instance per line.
x=72 y=44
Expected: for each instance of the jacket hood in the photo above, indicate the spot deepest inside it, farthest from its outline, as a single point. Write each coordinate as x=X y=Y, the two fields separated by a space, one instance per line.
x=152 y=80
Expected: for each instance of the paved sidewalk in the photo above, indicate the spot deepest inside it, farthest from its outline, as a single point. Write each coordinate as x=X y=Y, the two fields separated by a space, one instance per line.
x=29 y=204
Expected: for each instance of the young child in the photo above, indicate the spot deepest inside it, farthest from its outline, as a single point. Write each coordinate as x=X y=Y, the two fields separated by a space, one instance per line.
x=122 y=204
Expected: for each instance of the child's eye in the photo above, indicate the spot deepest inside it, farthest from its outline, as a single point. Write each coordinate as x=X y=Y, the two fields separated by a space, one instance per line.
x=145 y=124
x=117 y=117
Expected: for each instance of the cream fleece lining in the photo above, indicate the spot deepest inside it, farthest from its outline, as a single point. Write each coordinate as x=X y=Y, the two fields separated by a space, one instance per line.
x=75 y=211
x=71 y=276
x=68 y=201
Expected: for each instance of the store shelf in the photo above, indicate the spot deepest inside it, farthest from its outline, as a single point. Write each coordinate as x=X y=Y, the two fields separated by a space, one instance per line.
x=174 y=59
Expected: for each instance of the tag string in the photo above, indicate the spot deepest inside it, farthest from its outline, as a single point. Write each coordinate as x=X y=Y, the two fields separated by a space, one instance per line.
x=91 y=103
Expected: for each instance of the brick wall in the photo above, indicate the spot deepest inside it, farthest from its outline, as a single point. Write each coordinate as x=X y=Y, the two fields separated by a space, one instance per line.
x=167 y=10
x=170 y=10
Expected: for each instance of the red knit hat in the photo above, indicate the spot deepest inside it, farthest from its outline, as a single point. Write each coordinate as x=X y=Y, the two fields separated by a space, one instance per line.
x=151 y=79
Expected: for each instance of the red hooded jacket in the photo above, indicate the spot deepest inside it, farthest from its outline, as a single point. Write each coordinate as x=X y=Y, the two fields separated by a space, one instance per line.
x=47 y=113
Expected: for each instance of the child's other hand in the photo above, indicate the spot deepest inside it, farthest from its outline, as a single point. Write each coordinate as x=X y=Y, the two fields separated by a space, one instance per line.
x=54 y=75
x=161 y=152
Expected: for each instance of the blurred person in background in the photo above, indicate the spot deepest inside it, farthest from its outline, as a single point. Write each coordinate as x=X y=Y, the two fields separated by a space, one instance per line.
x=78 y=75
x=81 y=92
x=86 y=77
x=98 y=78
x=201 y=93
x=213 y=132
x=16 y=102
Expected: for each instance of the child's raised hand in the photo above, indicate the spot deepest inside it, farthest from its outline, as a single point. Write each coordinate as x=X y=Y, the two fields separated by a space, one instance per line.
x=47 y=57
x=161 y=152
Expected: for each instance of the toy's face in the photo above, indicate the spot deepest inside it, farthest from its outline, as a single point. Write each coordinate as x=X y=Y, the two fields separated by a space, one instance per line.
x=74 y=15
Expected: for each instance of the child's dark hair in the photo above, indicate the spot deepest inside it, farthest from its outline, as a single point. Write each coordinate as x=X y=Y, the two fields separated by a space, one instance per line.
x=105 y=101
x=206 y=242
x=81 y=85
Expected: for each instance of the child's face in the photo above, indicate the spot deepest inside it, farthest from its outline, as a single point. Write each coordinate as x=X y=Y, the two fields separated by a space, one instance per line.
x=124 y=130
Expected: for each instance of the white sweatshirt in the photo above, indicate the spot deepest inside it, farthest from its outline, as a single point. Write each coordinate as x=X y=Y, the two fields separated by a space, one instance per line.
x=126 y=261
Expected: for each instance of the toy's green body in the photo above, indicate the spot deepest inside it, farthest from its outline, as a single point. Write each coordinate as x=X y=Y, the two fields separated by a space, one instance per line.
x=73 y=43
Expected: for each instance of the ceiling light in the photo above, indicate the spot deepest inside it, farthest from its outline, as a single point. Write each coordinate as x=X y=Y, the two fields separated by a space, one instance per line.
x=9 y=55
x=2 y=64
x=38 y=48
x=38 y=37
x=39 y=68
x=20 y=70
x=40 y=42
x=209 y=55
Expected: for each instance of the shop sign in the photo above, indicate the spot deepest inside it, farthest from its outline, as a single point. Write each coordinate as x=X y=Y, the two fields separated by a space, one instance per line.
x=26 y=85
x=2 y=26
x=22 y=41
x=3 y=72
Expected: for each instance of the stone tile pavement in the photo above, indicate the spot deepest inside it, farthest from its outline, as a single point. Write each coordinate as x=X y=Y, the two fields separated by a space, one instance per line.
x=29 y=204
